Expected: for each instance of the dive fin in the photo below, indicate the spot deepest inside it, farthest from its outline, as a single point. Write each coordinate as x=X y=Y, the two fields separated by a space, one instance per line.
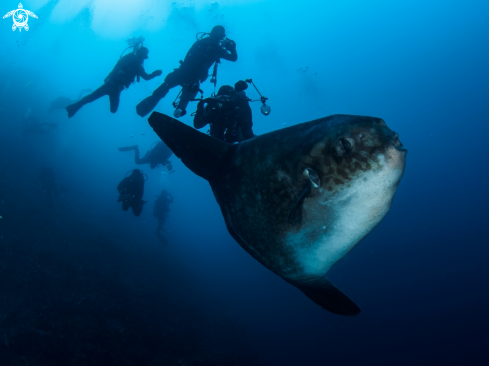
x=146 y=105
x=326 y=295
x=162 y=239
x=73 y=108
x=295 y=214
x=202 y=154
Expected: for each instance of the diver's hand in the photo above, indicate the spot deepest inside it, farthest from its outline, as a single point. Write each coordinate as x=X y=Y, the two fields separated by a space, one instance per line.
x=157 y=73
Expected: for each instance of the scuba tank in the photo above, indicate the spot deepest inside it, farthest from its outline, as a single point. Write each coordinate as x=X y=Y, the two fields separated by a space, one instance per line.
x=135 y=43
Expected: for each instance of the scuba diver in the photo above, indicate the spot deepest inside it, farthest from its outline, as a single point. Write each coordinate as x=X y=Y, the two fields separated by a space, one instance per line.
x=209 y=49
x=31 y=125
x=156 y=156
x=160 y=211
x=122 y=76
x=63 y=102
x=131 y=190
x=228 y=113
x=49 y=184
x=161 y=208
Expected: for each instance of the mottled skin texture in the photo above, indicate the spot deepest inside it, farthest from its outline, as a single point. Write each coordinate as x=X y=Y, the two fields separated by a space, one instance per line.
x=264 y=180
x=359 y=162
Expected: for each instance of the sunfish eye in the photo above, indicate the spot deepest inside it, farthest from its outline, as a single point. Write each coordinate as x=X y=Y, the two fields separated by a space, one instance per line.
x=397 y=142
x=344 y=146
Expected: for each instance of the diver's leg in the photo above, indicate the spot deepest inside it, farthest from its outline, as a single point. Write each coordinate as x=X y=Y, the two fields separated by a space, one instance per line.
x=188 y=93
x=137 y=207
x=161 y=239
x=149 y=103
x=136 y=155
x=114 y=97
x=128 y=148
x=143 y=160
x=105 y=89
x=246 y=130
x=125 y=205
x=160 y=224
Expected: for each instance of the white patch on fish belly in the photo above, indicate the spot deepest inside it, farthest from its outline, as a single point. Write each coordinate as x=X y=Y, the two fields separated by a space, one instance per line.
x=355 y=211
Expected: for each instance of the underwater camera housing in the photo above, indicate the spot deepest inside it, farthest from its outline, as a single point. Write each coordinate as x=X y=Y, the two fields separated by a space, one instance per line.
x=227 y=43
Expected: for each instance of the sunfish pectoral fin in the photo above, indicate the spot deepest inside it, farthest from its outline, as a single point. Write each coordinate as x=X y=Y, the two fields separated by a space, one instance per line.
x=326 y=295
x=312 y=183
x=202 y=154
x=295 y=214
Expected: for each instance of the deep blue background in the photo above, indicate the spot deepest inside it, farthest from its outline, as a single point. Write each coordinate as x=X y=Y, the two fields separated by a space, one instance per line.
x=420 y=277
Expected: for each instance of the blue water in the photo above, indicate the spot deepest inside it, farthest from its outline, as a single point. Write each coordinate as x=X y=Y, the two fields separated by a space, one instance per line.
x=84 y=283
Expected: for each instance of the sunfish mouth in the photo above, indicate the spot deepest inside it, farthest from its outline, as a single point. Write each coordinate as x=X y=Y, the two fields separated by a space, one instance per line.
x=398 y=144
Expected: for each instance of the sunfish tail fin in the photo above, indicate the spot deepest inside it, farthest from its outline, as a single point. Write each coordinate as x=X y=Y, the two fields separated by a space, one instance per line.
x=202 y=154
x=326 y=295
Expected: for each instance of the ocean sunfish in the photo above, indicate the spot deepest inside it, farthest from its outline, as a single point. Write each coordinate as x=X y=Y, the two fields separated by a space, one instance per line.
x=300 y=198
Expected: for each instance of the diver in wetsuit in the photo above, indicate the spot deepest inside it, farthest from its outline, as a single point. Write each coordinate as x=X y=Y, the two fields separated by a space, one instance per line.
x=193 y=70
x=128 y=68
x=228 y=113
x=31 y=125
x=161 y=208
x=158 y=155
x=131 y=190
x=49 y=183
x=160 y=211
x=63 y=102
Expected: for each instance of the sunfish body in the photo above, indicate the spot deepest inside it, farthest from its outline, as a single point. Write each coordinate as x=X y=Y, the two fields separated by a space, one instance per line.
x=298 y=199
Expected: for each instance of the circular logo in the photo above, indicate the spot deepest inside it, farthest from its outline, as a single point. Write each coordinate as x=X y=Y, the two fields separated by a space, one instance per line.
x=20 y=18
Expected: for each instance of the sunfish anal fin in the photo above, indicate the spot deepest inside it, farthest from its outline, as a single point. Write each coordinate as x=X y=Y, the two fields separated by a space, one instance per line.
x=326 y=295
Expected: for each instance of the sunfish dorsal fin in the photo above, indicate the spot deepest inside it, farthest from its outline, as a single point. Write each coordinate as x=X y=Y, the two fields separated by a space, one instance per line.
x=202 y=154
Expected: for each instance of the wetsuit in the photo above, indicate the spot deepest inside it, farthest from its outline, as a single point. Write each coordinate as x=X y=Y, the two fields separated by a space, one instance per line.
x=124 y=73
x=131 y=190
x=193 y=70
x=158 y=155
x=161 y=208
x=229 y=116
